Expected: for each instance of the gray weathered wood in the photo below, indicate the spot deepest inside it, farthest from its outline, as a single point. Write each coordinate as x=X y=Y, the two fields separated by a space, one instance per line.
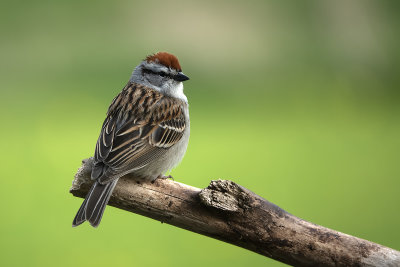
x=231 y=213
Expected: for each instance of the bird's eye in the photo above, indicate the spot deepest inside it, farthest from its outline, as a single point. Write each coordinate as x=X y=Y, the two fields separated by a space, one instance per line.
x=162 y=74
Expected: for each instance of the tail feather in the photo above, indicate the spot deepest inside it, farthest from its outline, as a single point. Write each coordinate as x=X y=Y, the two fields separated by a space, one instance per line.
x=93 y=207
x=80 y=215
x=98 y=201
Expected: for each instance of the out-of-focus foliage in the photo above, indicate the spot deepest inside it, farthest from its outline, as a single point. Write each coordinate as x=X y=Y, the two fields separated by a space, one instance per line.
x=295 y=100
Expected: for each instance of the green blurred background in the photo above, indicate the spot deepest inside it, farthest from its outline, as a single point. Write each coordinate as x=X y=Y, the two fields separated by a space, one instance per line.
x=296 y=100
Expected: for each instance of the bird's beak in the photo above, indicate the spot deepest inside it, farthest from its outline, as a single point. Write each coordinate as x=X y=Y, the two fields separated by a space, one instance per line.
x=180 y=77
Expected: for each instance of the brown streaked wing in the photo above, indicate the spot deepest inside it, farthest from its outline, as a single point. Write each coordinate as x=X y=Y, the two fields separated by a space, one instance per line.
x=168 y=133
x=127 y=144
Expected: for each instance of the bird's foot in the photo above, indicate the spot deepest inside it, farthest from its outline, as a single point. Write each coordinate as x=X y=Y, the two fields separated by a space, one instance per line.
x=165 y=177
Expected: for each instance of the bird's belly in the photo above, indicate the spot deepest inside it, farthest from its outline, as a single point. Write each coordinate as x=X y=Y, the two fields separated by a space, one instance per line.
x=166 y=161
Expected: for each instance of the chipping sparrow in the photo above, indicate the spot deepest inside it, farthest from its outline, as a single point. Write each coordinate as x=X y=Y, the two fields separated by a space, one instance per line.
x=146 y=132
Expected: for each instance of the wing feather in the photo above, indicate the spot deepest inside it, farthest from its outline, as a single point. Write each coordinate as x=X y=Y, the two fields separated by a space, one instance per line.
x=169 y=132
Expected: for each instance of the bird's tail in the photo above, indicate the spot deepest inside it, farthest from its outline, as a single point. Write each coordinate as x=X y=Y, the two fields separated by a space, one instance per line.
x=94 y=204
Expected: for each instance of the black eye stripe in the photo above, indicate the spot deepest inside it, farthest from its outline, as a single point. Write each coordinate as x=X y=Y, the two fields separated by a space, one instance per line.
x=161 y=73
x=149 y=71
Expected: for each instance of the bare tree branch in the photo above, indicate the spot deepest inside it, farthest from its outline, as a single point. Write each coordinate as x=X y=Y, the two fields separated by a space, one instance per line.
x=231 y=213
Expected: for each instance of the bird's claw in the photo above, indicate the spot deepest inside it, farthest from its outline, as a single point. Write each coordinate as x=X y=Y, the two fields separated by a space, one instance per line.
x=165 y=177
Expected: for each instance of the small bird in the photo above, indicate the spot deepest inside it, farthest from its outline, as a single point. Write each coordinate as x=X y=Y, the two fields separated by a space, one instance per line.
x=146 y=132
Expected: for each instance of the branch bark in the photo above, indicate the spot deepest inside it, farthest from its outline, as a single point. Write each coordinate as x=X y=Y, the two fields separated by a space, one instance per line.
x=233 y=214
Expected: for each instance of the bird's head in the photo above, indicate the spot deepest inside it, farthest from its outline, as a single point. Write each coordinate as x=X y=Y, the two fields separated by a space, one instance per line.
x=162 y=72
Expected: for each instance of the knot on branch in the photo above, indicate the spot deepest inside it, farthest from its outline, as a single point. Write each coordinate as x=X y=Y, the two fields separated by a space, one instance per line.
x=225 y=195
